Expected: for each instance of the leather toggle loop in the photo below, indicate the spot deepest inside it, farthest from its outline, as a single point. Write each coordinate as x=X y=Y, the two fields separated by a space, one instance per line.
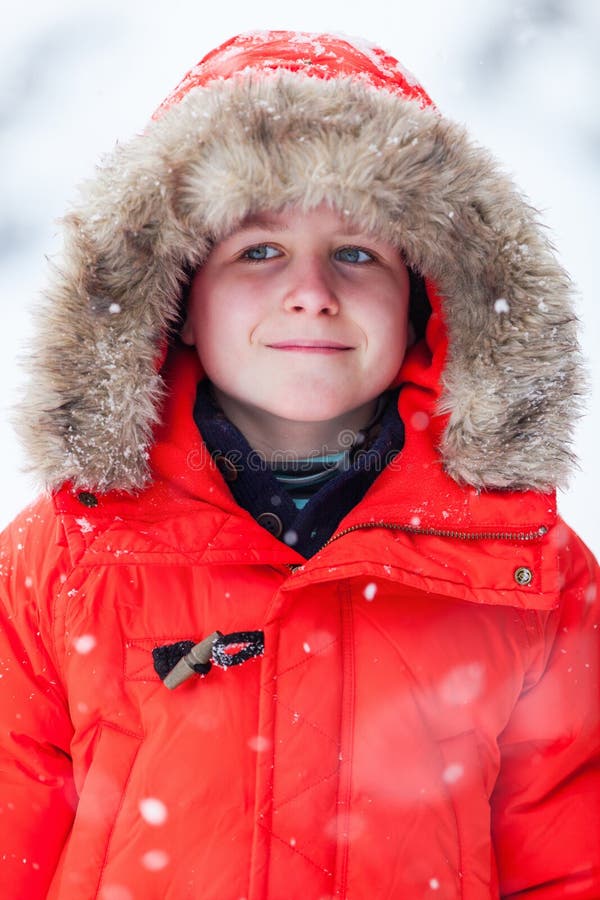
x=175 y=663
x=252 y=644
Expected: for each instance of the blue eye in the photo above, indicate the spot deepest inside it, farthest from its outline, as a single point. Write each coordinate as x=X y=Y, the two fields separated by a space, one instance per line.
x=353 y=255
x=260 y=251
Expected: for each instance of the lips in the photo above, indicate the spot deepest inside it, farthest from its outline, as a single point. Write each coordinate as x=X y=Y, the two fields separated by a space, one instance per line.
x=308 y=345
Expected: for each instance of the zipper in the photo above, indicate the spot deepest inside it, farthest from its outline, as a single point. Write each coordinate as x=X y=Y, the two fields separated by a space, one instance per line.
x=456 y=534
x=440 y=532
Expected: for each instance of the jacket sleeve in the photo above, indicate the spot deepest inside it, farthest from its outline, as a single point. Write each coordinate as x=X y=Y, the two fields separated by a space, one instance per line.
x=546 y=804
x=37 y=798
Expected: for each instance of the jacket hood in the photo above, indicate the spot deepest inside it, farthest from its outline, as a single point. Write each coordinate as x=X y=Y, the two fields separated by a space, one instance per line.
x=273 y=119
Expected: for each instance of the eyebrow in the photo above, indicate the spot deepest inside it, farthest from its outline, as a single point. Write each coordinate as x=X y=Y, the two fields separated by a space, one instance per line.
x=260 y=221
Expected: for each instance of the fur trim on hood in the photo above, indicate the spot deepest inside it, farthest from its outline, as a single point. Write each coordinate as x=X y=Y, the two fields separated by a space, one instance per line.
x=248 y=130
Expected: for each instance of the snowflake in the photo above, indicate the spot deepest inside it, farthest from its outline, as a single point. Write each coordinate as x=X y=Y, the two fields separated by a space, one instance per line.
x=153 y=811
x=85 y=643
x=370 y=591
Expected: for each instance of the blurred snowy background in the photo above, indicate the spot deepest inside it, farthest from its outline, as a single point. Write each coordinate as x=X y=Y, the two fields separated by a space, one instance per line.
x=78 y=75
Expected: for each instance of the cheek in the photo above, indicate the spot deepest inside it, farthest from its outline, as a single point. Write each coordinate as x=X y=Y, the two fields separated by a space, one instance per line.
x=390 y=326
x=388 y=348
x=212 y=344
x=206 y=311
x=221 y=333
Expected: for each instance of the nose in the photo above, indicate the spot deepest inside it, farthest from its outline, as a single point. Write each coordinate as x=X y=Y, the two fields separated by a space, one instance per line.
x=311 y=290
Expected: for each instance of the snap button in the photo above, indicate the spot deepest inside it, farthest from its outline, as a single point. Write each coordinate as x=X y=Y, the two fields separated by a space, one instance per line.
x=523 y=576
x=227 y=467
x=87 y=499
x=271 y=522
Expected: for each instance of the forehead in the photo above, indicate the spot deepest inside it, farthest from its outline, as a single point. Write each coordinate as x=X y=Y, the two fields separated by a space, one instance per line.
x=323 y=218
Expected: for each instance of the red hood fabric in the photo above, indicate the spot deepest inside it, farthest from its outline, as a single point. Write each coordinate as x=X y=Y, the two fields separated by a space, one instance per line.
x=315 y=55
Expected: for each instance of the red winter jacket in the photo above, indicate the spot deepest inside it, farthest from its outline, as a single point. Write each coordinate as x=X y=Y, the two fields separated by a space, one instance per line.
x=424 y=718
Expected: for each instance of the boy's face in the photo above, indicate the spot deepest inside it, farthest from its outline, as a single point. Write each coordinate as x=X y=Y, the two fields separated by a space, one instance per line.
x=299 y=316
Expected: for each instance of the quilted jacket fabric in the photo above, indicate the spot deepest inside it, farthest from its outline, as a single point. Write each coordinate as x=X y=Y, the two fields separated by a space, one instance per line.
x=423 y=721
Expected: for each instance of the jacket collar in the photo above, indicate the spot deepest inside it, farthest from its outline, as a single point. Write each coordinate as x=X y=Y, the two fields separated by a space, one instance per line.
x=414 y=526
x=254 y=486
x=413 y=491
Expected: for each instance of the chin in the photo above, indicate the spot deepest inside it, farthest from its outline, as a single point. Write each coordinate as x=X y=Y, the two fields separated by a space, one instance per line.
x=314 y=410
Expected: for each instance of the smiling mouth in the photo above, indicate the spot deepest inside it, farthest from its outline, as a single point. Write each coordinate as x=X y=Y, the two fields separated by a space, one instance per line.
x=306 y=346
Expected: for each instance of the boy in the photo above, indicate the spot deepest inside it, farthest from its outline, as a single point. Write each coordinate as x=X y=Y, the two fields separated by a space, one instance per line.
x=378 y=643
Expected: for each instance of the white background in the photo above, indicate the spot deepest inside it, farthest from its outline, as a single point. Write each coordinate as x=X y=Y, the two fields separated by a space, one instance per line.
x=78 y=75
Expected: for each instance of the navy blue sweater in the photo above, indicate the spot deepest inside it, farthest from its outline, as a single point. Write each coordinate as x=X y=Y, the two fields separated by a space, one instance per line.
x=256 y=488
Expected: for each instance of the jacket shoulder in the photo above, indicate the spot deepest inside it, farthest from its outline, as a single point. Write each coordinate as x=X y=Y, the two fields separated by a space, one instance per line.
x=34 y=557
